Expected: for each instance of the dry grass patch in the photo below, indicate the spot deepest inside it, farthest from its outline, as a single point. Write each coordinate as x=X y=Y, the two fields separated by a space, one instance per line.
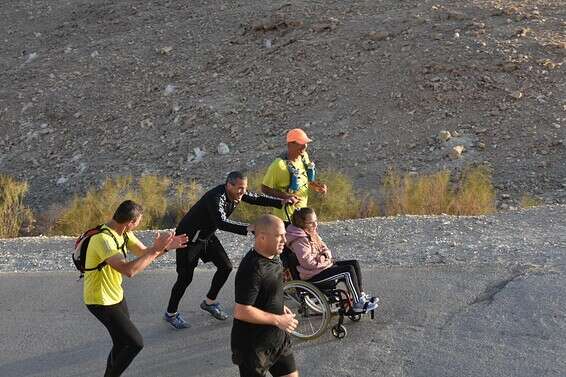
x=476 y=194
x=341 y=201
x=185 y=195
x=434 y=194
x=528 y=201
x=99 y=204
x=13 y=213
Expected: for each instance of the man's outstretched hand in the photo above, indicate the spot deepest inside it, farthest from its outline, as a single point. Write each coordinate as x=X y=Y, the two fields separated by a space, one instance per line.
x=179 y=241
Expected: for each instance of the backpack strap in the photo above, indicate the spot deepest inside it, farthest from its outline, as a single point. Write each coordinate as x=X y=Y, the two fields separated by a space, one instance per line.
x=121 y=248
x=290 y=167
x=97 y=230
x=84 y=246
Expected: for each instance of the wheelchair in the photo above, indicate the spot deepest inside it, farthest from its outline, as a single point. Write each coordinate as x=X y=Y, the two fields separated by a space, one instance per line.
x=315 y=304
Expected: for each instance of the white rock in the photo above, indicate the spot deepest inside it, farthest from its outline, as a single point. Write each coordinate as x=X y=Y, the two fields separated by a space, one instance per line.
x=94 y=54
x=62 y=181
x=26 y=106
x=516 y=94
x=456 y=152
x=223 y=148
x=198 y=155
x=170 y=89
x=31 y=57
x=165 y=50
x=146 y=123
x=444 y=135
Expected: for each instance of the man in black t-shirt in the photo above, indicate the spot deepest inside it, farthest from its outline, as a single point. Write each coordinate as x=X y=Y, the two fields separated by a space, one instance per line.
x=260 y=340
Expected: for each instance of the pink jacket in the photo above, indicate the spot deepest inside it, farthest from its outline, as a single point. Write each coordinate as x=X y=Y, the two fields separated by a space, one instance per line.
x=313 y=256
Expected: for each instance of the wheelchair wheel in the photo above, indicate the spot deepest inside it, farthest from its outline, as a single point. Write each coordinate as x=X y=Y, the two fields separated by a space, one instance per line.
x=310 y=306
x=339 y=331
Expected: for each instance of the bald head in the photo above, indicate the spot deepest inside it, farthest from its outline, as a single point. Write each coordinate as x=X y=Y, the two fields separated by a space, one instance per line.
x=269 y=235
x=266 y=223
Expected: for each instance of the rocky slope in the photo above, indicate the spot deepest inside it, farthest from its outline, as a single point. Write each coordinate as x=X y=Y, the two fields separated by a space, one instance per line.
x=94 y=88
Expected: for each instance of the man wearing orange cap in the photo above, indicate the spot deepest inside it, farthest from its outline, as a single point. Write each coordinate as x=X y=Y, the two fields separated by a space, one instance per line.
x=292 y=175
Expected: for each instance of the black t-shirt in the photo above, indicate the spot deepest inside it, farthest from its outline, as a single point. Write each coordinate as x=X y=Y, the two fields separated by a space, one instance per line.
x=259 y=283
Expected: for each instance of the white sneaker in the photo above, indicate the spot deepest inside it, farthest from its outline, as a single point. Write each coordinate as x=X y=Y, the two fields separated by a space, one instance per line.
x=363 y=306
x=369 y=298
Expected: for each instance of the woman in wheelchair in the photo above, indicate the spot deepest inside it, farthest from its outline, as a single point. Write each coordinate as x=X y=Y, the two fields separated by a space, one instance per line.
x=316 y=264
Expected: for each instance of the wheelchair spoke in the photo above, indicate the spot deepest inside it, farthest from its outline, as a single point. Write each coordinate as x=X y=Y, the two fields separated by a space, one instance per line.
x=310 y=306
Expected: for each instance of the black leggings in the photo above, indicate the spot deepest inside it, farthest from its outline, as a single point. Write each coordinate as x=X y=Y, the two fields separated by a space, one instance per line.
x=187 y=260
x=348 y=271
x=126 y=339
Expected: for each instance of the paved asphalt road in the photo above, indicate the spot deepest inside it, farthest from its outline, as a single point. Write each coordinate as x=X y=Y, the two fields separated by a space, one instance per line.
x=481 y=320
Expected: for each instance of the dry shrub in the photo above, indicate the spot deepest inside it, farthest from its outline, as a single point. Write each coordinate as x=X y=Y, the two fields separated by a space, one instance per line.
x=476 y=195
x=184 y=197
x=152 y=195
x=528 y=201
x=341 y=202
x=13 y=213
x=417 y=195
x=98 y=205
x=433 y=194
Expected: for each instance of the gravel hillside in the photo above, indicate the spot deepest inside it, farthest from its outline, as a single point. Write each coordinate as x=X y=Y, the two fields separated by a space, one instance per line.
x=95 y=88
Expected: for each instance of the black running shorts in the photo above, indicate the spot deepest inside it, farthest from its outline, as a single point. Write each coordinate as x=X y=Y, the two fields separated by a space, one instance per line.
x=258 y=363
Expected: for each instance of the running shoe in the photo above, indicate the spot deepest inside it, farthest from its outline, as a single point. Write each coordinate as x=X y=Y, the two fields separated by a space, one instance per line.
x=176 y=321
x=363 y=306
x=216 y=310
x=369 y=298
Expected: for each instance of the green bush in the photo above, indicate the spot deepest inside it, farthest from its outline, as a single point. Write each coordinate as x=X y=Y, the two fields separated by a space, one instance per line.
x=13 y=213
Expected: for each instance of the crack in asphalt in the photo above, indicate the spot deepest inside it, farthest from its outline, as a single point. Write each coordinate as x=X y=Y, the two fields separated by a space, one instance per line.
x=488 y=295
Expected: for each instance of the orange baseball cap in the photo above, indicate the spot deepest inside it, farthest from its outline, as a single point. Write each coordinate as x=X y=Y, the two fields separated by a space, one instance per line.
x=296 y=135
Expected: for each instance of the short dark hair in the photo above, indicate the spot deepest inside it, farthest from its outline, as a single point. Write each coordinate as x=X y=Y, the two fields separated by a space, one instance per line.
x=127 y=211
x=233 y=176
x=300 y=215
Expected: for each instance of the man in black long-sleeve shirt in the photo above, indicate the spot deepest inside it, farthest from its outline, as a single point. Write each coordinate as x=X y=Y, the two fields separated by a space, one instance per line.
x=210 y=213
